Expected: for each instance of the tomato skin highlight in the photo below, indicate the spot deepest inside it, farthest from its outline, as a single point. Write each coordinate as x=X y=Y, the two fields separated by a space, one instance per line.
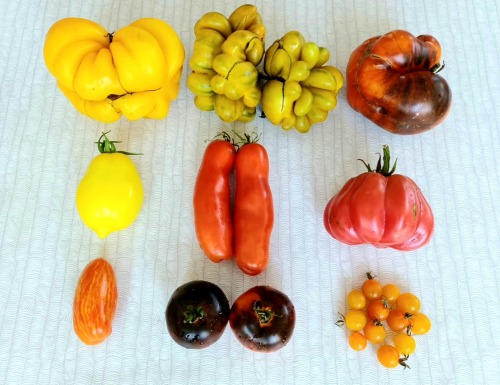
x=212 y=201
x=253 y=209
x=95 y=301
x=263 y=319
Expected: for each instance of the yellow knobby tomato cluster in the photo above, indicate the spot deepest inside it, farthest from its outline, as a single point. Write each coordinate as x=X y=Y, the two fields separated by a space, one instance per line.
x=226 y=52
x=374 y=307
x=133 y=72
x=301 y=89
x=298 y=88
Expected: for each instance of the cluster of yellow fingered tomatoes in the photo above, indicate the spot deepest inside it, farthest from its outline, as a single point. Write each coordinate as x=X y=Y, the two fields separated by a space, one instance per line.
x=376 y=313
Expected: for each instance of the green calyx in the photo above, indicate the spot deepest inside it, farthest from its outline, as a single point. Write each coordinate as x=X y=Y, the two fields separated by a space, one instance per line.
x=240 y=140
x=264 y=315
x=383 y=164
x=106 y=146
x=192 y=314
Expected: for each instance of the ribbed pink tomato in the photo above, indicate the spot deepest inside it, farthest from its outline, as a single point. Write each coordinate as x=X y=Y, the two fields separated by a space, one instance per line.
x=380 y=208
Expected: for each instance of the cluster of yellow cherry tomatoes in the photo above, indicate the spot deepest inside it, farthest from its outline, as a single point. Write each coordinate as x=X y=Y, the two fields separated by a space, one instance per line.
x=382 y=315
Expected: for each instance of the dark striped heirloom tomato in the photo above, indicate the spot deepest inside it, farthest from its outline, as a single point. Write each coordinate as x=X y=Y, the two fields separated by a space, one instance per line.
x=262 y=319
x=197 y=314
x=393 y=80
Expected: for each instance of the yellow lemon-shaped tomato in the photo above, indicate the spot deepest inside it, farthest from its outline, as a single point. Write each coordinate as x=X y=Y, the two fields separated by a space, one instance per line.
x=110 y=195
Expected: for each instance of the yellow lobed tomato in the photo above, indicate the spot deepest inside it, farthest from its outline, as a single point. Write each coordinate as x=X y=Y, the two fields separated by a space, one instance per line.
x=301 y=90
x=226 y=51
x=134 y=71
x=110 y=195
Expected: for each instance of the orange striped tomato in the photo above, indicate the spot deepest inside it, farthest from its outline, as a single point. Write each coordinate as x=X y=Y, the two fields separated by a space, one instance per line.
x=95 y=302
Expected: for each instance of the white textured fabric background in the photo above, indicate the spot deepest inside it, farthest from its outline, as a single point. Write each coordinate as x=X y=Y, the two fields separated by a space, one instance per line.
x=46 y=146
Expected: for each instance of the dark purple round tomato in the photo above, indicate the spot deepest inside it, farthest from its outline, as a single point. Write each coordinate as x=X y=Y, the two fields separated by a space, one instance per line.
x=262 y=319
x=197 y=314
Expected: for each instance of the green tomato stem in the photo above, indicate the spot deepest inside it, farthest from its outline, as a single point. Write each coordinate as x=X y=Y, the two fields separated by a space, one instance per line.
x=383 y=164
x=106 y=146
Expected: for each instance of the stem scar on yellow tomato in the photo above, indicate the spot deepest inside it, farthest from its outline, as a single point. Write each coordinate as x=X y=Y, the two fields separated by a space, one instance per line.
x=109 y=197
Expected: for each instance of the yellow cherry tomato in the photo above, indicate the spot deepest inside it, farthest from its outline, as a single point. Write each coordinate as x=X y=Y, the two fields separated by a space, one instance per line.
x=374 y=332
x=390 y=292
x=133 y=72
x=388 y=356
x=355 y=320
x=409 y=303
x=110 y=195
x=356 y=299
x=371 y=288
x=420 y=324
x=405 y=344
x=357 y=341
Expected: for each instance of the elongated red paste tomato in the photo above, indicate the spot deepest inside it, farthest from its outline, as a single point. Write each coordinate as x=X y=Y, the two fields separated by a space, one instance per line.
x=253 y=209
x=212 y=201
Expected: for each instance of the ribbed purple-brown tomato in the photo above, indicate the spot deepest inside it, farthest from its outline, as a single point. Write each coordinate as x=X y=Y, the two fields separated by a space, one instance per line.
x=263 y=319
x=393 y=81
x=197 y=314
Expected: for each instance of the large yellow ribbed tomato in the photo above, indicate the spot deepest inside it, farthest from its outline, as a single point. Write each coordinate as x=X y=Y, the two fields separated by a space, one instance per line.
x=110 y=195
x=134 y=71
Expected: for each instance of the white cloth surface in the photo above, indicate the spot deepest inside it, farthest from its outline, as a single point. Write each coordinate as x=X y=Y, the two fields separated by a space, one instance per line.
x=46 y=146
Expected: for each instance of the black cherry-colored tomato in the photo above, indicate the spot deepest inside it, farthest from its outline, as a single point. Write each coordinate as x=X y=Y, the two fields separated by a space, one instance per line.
x=262 y=319
x=197 y=314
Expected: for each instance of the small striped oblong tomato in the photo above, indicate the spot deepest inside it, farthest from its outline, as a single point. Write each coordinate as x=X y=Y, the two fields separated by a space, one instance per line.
x=95 y=302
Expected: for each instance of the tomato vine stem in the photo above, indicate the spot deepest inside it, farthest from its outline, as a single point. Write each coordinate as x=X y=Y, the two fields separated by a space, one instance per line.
x=383 y=163
x=107 y=146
